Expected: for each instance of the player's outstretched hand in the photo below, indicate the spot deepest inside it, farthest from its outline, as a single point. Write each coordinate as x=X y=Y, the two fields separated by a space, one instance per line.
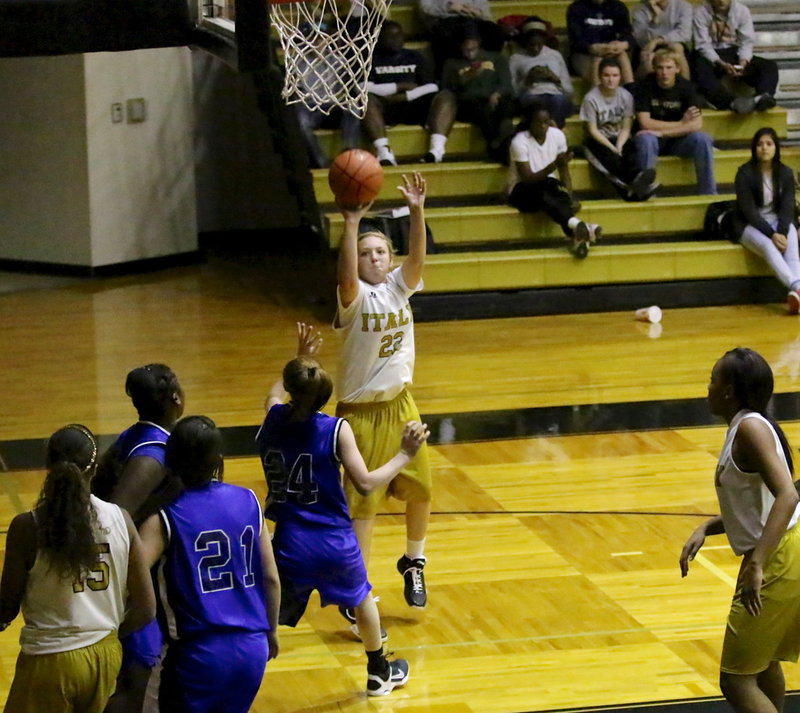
x=309 y=340
x=691 y=548
x=355 y=214
x=414 y=435
x=272 y=642
x=413 y=190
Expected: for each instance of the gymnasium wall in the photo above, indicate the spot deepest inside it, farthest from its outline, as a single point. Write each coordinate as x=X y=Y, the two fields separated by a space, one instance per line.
x=78 y=189
x=241 y=184
x=141 y=175
x=44 y=189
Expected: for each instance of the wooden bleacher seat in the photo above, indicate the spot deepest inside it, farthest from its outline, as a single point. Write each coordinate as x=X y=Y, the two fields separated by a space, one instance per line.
x=485 y=182
x=411 y=142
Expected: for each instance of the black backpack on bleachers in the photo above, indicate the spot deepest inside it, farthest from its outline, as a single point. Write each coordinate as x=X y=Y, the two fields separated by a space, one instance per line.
x=718 y=223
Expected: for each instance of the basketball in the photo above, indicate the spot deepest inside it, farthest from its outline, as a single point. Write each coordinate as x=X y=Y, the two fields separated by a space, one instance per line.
x=355 y=177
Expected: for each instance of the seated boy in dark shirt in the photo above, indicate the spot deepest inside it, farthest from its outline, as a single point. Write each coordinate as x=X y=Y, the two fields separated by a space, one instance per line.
x=670 y=121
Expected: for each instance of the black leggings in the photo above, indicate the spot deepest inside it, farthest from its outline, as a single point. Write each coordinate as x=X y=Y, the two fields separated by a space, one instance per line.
x=549 y=196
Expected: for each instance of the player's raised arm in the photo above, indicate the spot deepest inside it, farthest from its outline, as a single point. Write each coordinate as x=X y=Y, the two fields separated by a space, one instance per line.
x=347 y=265
x=309 y=340
x=413 y=190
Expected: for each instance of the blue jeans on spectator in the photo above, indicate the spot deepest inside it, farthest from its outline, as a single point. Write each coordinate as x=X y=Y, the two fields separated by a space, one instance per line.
x=698 y=145
x=309 y=120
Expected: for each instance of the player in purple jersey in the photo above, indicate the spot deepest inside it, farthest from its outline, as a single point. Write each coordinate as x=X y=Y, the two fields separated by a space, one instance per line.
x=218 y=584
x=131 y=474
x=302 y=451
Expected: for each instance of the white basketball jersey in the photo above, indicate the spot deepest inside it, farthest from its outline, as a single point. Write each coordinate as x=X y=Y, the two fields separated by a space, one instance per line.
x=744 y=498
x=61 y=615
x=376 y=361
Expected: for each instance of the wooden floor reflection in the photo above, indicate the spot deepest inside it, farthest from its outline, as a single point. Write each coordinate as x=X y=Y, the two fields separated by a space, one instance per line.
x=553 y=578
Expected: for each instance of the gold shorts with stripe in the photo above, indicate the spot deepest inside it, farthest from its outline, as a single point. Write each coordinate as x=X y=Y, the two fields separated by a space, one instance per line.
x=378 y=427
x=77 y=680
x=753 y=642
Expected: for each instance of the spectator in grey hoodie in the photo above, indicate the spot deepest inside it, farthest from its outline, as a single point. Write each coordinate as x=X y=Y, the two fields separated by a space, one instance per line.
x=723 y=40
x=662 y=24
x=540 y=72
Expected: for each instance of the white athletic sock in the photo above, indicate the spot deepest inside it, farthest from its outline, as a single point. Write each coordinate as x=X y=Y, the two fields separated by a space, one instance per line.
x=415 y=549
x=437 y=145
x=383 y=151
x=572 y=223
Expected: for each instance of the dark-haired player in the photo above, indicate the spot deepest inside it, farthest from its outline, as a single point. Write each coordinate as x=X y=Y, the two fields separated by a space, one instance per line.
x=217 y=580
x=132 y=475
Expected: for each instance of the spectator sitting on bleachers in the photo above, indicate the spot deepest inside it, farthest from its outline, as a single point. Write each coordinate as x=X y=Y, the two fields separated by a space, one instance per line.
x=764 y=215
x=608 y=113
x=320 y=75
x=477 y=89
x=599 y=29
x=539 y=151
x=401 y=89
x=447 y=21
x=670 y=121
x=541 y=72
x=660 y=24
x=723 y=47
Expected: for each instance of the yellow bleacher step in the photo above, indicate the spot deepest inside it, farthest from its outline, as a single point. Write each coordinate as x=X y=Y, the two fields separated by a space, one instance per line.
x=412 y=141
x=476 y=178
x=502 y=223
x=612 y=264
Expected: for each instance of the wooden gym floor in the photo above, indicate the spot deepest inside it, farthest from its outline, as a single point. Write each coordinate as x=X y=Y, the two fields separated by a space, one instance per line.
x=572 y=458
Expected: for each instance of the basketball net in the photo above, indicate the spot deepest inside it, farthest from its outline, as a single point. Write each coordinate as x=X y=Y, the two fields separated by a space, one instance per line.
x=328 y=57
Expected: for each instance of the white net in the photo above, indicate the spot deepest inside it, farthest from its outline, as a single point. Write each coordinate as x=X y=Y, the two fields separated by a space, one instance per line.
x=328 y=55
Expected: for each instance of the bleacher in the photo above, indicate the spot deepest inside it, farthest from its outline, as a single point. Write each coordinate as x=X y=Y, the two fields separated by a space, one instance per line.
x=489 y=253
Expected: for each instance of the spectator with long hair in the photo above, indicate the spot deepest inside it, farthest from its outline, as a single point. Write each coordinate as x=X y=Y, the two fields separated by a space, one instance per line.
x=69 y=563
x=765 y=206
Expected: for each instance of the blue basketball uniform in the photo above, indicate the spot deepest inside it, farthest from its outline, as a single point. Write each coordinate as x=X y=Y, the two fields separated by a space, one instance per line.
x=141 y=439
x=213 y=600
x=315 y=545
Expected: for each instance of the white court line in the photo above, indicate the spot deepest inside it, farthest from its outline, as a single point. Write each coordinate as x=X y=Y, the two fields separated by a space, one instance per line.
x=625 y=554
x=716 y=571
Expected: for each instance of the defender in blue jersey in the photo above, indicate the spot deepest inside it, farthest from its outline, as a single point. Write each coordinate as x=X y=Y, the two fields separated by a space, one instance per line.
x=131 y=474
x=218 y=585
x=303 y=451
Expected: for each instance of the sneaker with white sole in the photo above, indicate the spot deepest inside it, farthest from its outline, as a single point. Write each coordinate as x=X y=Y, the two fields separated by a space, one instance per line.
x=581 y=237
x=641 y=183
x=743 y=105
x=793 y=302
x=386 y=156
x=595 y=232
x=349 y=614
x=395 y=676
x=414 y=580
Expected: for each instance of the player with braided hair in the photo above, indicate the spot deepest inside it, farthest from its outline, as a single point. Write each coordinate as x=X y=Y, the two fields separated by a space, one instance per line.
x=68 y=565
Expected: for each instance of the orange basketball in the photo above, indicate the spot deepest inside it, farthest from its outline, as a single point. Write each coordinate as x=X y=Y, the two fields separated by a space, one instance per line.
x=355 y=177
